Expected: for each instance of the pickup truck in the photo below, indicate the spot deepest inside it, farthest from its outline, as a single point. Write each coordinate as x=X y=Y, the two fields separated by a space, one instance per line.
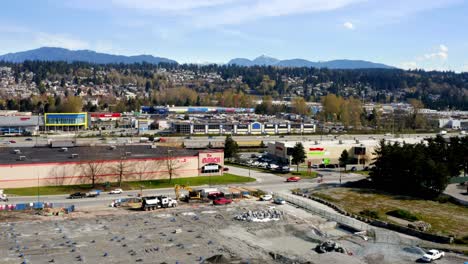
x=432 y=255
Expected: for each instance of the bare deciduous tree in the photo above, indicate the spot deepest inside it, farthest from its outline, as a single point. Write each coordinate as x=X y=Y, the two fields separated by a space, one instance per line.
x=122 y=168
x=172 y=164
x=91 y=170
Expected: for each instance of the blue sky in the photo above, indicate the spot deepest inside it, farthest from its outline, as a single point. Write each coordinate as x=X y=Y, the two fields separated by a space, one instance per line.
x=429 y=34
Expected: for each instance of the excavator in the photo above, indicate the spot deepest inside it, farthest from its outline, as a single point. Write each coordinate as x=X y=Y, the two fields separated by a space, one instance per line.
x=192 y=195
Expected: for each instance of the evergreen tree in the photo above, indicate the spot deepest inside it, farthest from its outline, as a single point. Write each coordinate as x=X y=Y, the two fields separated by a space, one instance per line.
x=298 y=154
x=230 y=147
x=344 y=158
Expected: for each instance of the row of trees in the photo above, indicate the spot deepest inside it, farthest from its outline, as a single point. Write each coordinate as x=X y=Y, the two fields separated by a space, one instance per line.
x=38 y=104
x=422 y=169
x=123 y=168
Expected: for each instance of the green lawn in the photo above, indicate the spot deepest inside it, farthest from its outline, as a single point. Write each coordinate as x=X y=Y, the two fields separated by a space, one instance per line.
x=135 y=185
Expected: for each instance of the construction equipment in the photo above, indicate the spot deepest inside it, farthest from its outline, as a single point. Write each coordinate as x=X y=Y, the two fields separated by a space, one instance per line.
x=192 y=194
x=154 y=202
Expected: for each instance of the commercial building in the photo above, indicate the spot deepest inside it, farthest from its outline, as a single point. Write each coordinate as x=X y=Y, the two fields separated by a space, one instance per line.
x=329 y=151
x=105 y=121
x=20 y=125
x=66 y=121
x=28 y=167
x=193 y=109
x=251 y=128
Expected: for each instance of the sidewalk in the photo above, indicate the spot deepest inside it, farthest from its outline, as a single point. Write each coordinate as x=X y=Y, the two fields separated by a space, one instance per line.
x=458 y=192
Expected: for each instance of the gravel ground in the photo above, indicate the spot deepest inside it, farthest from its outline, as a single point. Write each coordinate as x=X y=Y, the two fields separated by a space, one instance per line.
x=189 y=234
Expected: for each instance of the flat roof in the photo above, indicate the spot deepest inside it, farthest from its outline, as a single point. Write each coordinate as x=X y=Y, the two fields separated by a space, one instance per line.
x=87 y=153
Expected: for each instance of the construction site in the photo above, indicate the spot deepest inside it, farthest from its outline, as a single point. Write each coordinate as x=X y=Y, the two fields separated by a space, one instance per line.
x=244 y=231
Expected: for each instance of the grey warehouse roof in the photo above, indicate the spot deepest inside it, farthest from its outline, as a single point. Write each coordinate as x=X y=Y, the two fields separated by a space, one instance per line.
x=46 y=154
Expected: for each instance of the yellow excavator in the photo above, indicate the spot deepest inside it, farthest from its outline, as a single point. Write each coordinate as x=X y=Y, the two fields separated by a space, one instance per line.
x=192 y=195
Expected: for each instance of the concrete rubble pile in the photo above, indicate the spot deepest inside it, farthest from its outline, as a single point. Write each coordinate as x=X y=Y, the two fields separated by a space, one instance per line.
x=330 y=246
x=260 y=216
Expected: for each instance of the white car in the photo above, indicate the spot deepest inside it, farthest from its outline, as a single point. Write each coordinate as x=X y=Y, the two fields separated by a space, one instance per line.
x=116 y=191
x=432 y=255
x=273 y=166
x=266 y=197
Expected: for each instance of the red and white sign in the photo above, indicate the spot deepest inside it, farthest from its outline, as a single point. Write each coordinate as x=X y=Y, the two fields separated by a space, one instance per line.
x=316 y=149
x=210 y=159
x=105 y=116
x=101 y=115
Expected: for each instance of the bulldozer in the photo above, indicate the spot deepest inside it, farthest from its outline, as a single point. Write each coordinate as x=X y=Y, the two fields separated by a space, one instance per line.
x=193 y=195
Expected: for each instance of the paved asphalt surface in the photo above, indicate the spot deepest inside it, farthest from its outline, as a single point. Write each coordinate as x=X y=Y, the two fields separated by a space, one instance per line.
x=265 y=181
x=202 y=140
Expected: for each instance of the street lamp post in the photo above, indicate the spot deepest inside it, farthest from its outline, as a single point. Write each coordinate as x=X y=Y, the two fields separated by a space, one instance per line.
x=38 y=196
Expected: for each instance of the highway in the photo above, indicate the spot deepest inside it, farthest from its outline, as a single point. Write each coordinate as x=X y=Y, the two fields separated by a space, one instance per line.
x=264 y=181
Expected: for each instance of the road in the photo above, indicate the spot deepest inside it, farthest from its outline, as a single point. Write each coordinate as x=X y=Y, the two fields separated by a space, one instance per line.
x=265 y=181
x=200 y=140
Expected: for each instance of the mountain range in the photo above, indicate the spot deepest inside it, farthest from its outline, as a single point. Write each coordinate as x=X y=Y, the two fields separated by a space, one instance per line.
x=333 y=64
x=61 y=54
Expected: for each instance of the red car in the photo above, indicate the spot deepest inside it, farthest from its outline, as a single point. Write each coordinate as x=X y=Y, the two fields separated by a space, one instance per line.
x=293 y=179
x=12 y=141
x=225 y=169
x=222 y=200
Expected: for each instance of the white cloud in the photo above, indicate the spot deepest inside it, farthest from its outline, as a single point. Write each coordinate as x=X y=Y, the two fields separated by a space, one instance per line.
x=348 y=25
x=440 y=53
x=443 y=48
x=169 y=5
x=59 y=40
x=208 y=13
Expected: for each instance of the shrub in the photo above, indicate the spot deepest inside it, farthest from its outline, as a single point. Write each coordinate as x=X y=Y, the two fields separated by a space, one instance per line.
x=370 y=214
x=403 y=214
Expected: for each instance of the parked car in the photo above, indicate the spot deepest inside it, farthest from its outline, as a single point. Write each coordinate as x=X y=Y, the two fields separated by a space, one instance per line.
x=221 y=201
x=272 y=166
x=315 y=166
x=293 y=179
x=279 y=201
x=77 y=195
x=432 y=255
x=266 y=197
x=225 y=169
x=116 y=191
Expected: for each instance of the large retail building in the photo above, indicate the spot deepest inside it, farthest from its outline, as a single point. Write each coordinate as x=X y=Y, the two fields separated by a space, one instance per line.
x=29 y=167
